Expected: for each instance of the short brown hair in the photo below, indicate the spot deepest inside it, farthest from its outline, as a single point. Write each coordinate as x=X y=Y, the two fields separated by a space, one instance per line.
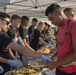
x=15 y=17
x=34 y=19
x=68 y=9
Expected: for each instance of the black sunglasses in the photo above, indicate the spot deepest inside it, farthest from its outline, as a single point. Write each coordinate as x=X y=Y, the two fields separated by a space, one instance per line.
x=6 y=21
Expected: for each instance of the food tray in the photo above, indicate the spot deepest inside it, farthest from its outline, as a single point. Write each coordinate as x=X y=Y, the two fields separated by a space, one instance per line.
x=36 y=63
x=24 y=71
x=44 y=50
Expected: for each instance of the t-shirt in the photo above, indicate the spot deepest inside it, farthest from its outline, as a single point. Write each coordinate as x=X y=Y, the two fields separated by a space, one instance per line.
x=65 y=48
x=23 y=32
x=35 y=41
x=31 y=31
x=4 y=41
x=14 y=35
x=11 y=32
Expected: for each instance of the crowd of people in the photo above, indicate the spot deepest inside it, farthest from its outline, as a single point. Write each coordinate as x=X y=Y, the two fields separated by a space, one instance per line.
x=16 y=40
x=13 y=42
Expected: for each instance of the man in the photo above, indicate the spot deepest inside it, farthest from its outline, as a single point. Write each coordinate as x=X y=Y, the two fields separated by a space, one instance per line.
x=34 y=43
x=31 y=29
x=15 y=24
x=66 y=47
x=6 y=53
x=23 y=30
x=69 y=12
x=13 y=32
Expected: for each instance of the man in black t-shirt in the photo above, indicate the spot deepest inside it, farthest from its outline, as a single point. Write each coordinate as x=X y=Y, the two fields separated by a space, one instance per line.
x=34 y=43
x=6 y=55
x=23 y=31
x=6 y=44
x=23 y=28
x=31 y=29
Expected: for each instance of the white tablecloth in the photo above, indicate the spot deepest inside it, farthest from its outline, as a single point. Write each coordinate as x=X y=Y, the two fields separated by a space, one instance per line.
x=46 y=71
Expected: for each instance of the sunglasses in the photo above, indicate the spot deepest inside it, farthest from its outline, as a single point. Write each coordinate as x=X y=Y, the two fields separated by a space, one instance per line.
x=6 y=21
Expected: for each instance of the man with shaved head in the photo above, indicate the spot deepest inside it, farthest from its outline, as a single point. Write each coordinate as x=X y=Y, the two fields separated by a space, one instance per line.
x=69 y=12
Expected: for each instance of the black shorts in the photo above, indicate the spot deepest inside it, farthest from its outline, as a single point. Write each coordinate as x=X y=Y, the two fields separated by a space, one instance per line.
x=58 y=72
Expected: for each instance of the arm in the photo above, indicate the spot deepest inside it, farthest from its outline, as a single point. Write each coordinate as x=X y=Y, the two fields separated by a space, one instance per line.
x=42 y=41
x=45 y=37
x=11 y=54
x=6 y=41
x=30 y=31
x=70 y=58
x=26 y=44
x=23 y=50
x=8 y=44
x=2 y=60
x=20 y=41
x=66 y=60
x=54 y=56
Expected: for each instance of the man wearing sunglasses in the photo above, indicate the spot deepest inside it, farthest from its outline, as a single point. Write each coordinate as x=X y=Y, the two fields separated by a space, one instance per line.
x=7 y=43
x=6 y=23
x=6 y=53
